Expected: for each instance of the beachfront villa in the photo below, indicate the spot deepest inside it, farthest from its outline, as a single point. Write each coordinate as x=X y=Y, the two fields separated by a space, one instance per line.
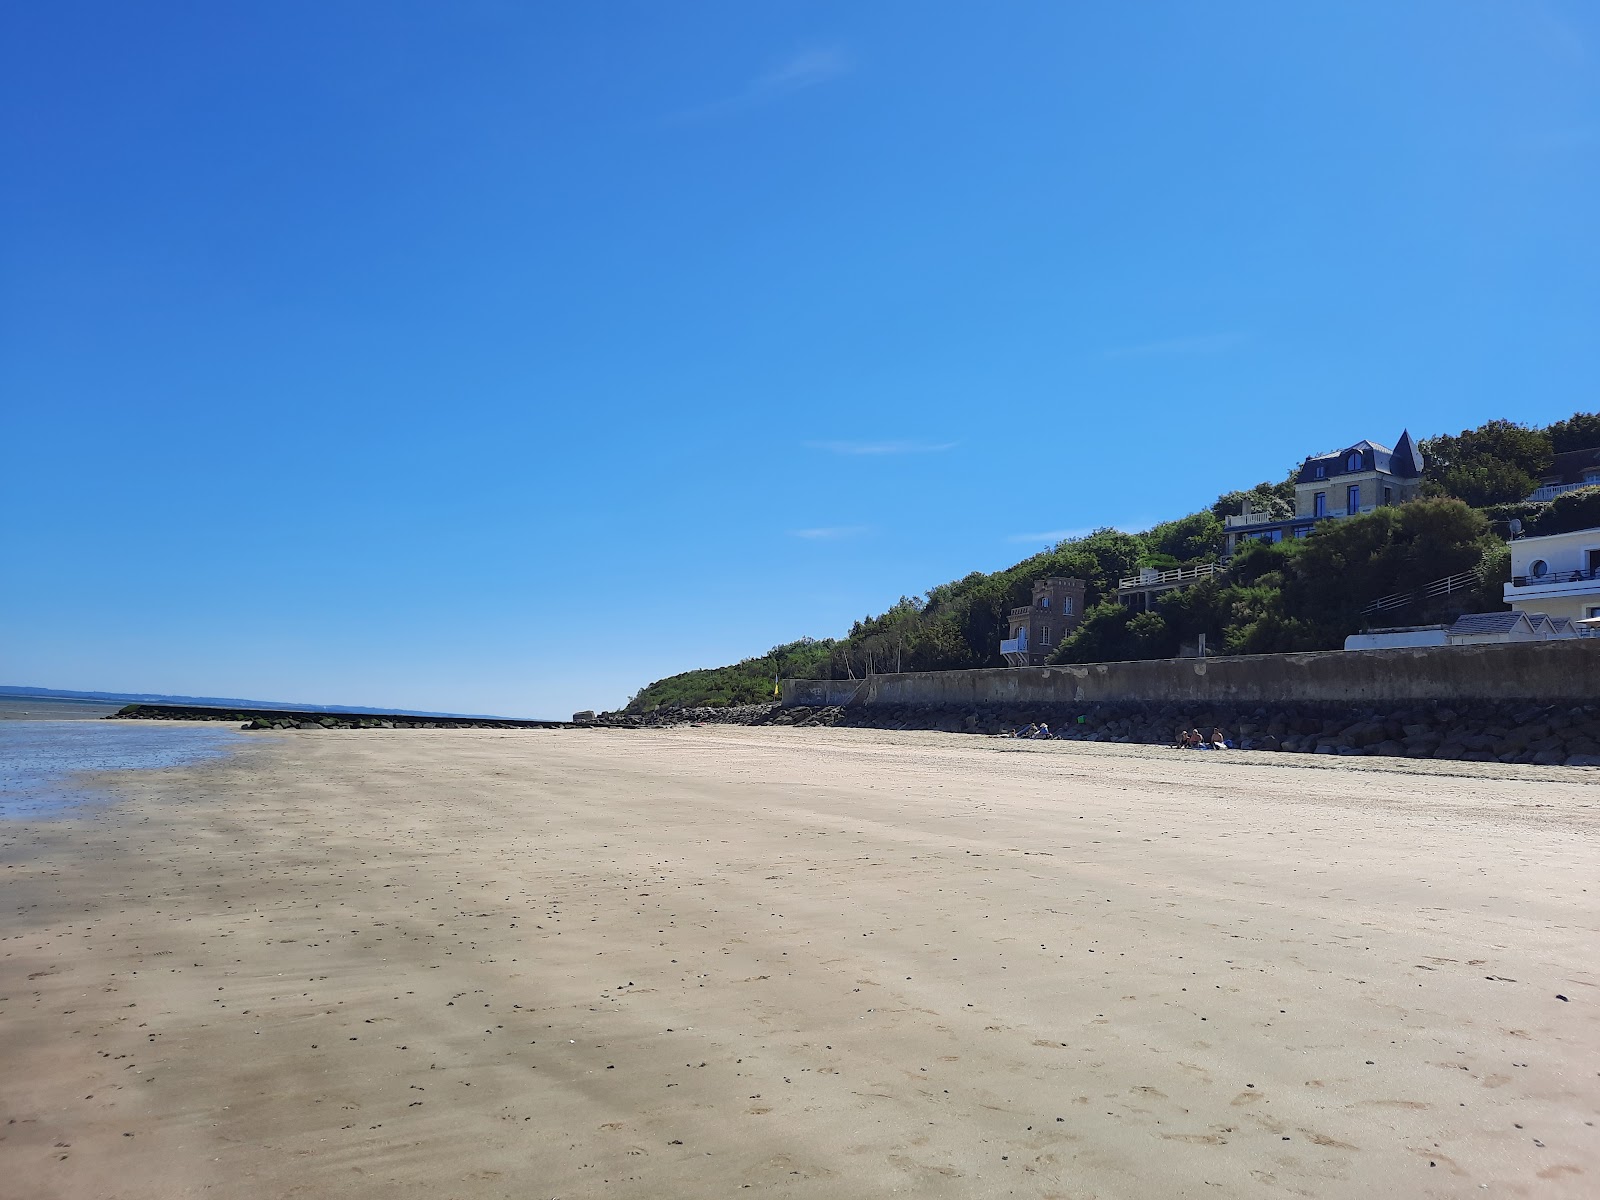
x=1357 y=479
x=1558 y=574
x=1037 y=628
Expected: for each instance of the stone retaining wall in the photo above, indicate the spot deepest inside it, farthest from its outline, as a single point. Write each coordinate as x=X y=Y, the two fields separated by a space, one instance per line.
x=1547 y=672
x=1507 y=731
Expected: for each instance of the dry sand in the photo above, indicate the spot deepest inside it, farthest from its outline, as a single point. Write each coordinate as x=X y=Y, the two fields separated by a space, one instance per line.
x=812 y=963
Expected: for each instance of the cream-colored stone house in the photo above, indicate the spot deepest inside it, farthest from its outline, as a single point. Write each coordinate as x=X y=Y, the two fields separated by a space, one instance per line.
x=1343 y=483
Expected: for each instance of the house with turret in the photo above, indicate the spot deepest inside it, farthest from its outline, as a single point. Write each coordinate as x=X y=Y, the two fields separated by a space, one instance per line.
x=1037 y=628
x=1343 y=483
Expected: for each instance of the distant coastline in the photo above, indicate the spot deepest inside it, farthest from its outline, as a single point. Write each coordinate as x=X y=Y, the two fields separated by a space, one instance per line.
x=118 y=699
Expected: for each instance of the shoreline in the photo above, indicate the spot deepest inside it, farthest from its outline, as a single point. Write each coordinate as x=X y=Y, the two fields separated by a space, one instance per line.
x=813 y=962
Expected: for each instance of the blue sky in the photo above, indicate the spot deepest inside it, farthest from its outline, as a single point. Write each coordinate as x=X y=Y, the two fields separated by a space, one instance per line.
x=502 y=357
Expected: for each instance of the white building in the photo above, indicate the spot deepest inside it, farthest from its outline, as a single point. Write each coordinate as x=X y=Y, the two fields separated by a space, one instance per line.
x=1558 y=574
x=1406 y=635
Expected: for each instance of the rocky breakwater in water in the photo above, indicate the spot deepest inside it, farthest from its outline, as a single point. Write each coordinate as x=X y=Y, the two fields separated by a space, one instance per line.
x=272 y=718
x=1504 y=731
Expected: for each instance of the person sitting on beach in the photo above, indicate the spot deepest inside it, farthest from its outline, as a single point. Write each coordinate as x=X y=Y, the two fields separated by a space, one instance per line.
x=1193 y=740
x=1219 y=740
x=1042 y=733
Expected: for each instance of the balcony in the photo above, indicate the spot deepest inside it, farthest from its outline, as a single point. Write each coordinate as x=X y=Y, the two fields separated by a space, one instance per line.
x=1015 y=650
x=1553 y=583
x=1247 y=519
x=1258 y=520
x=1179 y=577
x=1551 y=490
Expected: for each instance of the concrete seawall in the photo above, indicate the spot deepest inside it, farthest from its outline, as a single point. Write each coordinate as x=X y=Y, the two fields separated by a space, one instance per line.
x=1566 y=670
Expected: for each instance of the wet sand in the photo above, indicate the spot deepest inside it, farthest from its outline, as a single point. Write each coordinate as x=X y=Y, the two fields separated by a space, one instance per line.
x=810 y=963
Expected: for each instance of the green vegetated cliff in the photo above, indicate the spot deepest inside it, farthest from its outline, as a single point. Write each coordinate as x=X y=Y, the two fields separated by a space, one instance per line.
x=749 y=682
x=1293 y=595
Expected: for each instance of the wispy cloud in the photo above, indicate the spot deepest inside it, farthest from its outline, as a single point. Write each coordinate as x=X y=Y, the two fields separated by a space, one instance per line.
x=882 y=447
x=1049 y=536
x=829 y=533
x=803 y=70
x=807 y=69
x=1204 y=343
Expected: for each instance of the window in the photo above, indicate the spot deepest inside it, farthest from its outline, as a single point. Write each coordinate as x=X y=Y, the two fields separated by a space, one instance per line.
x=1044 y=635
x=1320 y=507
x=1353 y=463
x=1066 y=606
x=1592 y=611
x=1044 y=601
x=1322 y=471
x=1388 y=495
x=1538 y=568
x=1301 y=531
x=1352 y=498
x=1594 y=561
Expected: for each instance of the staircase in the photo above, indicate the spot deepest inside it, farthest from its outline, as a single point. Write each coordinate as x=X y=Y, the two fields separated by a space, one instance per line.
x=1460 y=582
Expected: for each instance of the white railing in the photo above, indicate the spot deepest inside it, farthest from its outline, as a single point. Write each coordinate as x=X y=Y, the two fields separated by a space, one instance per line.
x=1017 y=645
x=1551 y=490
x=1555 y=578
x=1460 y=582
x=1252 y=518
x=1152 y=578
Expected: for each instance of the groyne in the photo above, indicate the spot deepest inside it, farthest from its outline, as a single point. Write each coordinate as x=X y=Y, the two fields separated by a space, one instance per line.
x=279 y=718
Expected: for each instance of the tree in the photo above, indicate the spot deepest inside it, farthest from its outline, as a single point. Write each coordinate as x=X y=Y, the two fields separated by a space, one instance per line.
x=1106 y=556
x=1567 y=512
x=1112 y=633
x=1499 y=462
x=747 y=682
x=1274 y=501
x=1580 y=431
x=1197 y=537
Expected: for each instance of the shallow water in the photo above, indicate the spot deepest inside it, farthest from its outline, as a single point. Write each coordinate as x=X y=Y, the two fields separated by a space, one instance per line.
x=53 y=708
x=40 y=760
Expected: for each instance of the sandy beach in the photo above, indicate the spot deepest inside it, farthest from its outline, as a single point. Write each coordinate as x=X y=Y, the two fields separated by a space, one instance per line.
x=809 y=963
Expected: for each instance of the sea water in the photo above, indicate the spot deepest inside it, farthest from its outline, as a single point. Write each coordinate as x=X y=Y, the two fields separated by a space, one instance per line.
x=40 y=760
